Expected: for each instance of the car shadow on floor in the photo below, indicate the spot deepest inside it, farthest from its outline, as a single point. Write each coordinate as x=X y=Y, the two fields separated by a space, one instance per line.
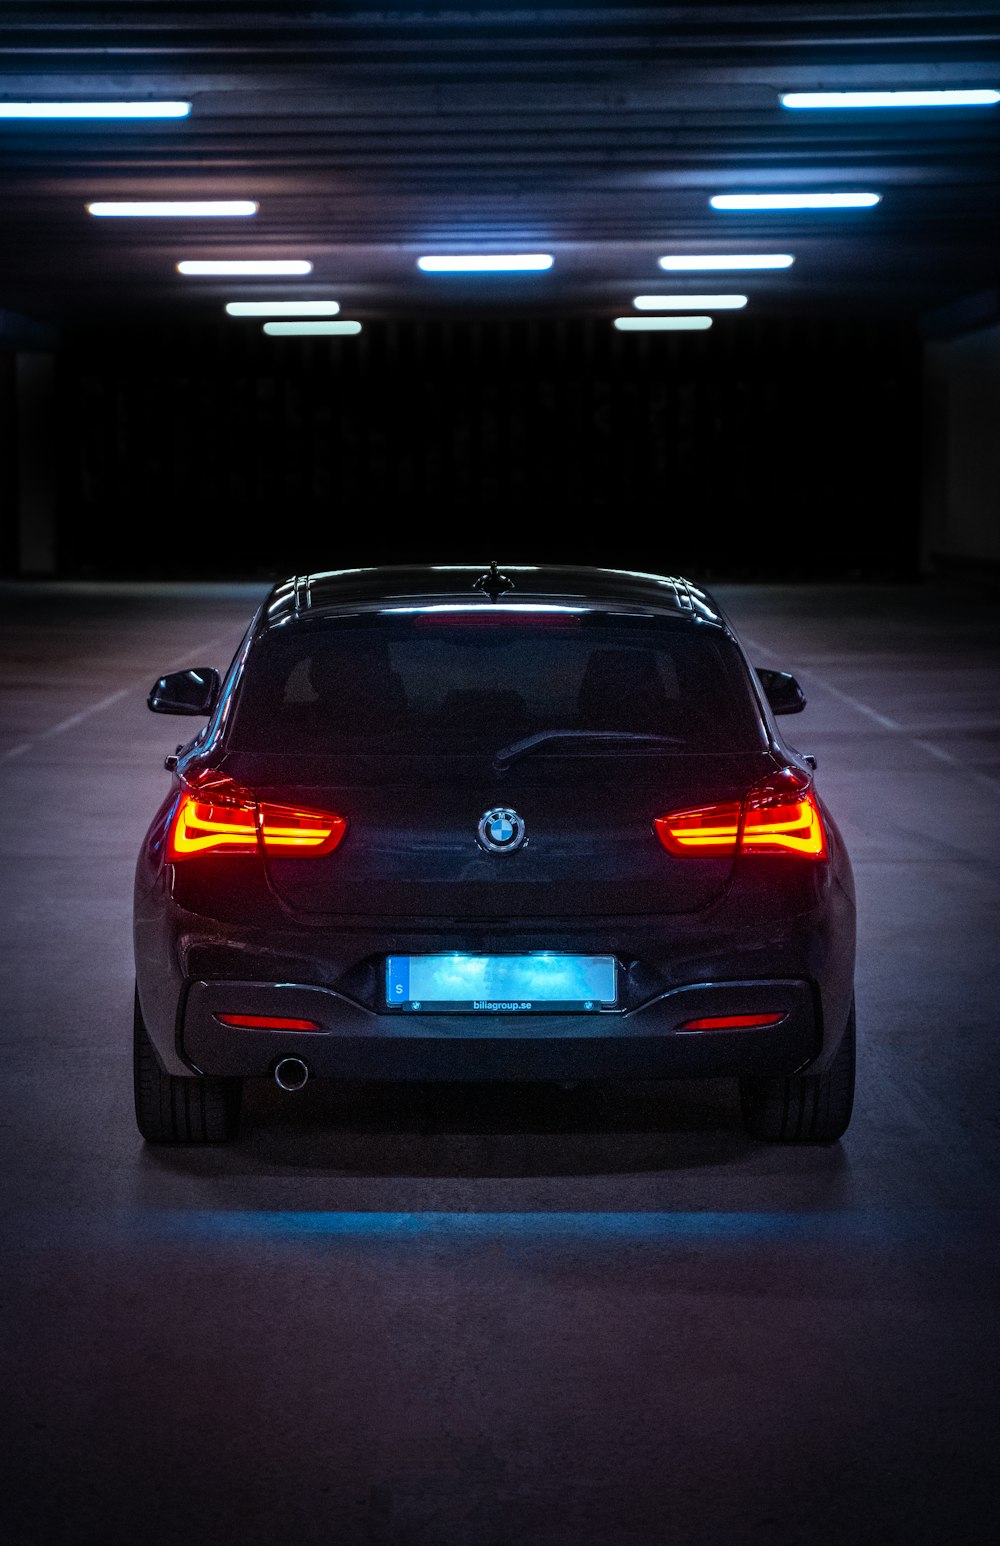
x=480 y=1131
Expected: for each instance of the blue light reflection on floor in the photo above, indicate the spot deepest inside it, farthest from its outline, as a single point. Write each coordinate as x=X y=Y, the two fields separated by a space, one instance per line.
x=660 y=1226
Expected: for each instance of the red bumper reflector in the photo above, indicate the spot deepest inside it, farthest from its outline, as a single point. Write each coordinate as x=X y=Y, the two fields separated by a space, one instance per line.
x=730 y=1022
x=267 y=1023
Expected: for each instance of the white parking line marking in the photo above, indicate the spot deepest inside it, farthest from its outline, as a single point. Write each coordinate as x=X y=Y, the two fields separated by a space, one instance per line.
x=77 y=719
x=95 y=708
x=935 y=751
x=835 y=692
x=986 y=779
x=195 y=650
x=854 y=703
x=16 y=751
x=956 y=762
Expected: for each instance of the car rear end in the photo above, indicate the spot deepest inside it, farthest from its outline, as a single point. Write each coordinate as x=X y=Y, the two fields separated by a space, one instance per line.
x=445 y=837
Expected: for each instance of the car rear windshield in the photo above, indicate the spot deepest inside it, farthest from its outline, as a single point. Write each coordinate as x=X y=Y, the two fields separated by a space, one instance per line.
x=476 y=680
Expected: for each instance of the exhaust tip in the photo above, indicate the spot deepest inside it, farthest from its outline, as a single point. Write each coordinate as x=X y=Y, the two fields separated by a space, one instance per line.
x=291 y=1073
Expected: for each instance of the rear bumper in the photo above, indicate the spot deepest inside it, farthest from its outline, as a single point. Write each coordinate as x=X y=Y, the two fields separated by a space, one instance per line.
x=645 y=1042
x=781 y=939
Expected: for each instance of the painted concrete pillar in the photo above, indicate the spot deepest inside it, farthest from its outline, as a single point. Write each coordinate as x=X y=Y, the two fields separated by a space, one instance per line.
x=961 y=471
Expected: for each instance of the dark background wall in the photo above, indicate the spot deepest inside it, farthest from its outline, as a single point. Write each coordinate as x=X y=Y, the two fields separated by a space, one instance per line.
x=962 y=453
x=767 y=448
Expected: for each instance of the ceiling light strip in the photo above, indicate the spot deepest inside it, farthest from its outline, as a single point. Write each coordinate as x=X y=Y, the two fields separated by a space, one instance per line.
x=863 y=99
x=171 y=208
x=244 y=267
x=794 y=200
x=689 y=302
x=683 y=263
x=662 y=324
x=311 y=329
x=46 y=110
x=282 y=308
x=486 y=263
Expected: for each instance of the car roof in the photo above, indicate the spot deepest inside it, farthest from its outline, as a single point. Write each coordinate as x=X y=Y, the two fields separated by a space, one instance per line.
x=328 y=591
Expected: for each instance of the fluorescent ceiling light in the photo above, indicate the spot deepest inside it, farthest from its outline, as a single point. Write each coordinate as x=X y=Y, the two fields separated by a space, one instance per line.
x=168 y=207
x=94 y=109
x=725 y=260
x=689 y=302
x=282 y=308
x=890 y=98
x=662 y=324
x=245 y=267
x=487 y=263
x=794 y=200
x=310 y=329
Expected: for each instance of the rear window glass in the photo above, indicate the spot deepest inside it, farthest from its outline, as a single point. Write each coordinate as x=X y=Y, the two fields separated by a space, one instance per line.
x=429 y=683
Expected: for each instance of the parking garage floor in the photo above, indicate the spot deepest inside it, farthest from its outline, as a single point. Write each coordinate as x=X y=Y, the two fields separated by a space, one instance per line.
x=475 y=1316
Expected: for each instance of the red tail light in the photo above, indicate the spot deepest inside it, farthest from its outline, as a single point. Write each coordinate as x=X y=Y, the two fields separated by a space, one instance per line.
x=709 y=829
x=217 y=815
x=782 y=817
x=523 y=617
x=778 y=816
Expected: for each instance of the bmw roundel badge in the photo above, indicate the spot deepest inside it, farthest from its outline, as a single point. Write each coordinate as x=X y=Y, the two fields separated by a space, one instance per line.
x=500 y=830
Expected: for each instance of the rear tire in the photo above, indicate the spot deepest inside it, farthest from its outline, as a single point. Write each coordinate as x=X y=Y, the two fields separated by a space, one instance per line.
x=173 y=1110
x=808 y=1108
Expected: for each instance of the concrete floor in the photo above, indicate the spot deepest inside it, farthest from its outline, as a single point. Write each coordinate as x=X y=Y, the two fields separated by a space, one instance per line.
x=471 y=1318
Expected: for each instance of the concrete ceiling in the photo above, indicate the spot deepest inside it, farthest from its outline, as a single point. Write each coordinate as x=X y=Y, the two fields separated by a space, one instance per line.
x=593 y=132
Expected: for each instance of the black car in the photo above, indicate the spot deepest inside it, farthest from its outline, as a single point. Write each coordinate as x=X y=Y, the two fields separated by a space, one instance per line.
x=530 y=824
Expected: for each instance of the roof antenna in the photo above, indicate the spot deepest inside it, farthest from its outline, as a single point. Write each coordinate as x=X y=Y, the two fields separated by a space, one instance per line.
x=493 y=582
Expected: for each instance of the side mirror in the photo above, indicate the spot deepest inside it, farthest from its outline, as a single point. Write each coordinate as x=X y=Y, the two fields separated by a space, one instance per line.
x=186 y=692
x=782 y=691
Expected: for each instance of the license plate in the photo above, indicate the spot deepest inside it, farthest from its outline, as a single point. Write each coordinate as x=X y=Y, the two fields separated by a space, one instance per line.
x=481 y=984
